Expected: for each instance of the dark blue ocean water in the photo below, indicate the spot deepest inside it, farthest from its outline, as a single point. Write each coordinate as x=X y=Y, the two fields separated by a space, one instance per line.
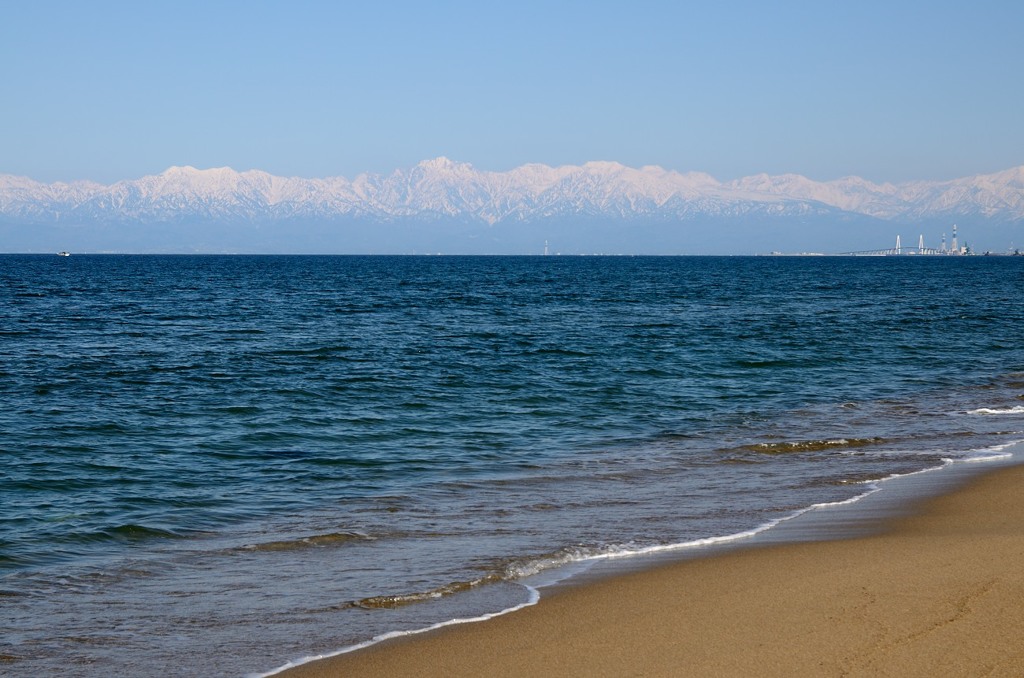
x=241 y=460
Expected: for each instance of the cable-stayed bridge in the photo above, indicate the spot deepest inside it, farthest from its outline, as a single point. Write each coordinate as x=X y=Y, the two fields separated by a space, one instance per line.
x=900 y=249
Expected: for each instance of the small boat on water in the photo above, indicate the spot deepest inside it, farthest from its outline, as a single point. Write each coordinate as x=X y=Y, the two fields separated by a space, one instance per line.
x=63 y=254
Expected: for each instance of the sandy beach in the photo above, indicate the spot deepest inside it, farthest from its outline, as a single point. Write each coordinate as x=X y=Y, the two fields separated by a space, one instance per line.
x=939 y=593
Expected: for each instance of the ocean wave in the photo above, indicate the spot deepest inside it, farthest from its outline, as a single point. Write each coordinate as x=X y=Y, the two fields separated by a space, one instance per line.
x=789 y=447
x=993 y=453
x=870 y=486
x=314 y=541
x=126 y=533
x=403 y=599
x=1016 y=409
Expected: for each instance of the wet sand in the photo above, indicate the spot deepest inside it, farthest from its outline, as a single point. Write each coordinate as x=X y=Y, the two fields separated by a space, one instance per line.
x=939 y=593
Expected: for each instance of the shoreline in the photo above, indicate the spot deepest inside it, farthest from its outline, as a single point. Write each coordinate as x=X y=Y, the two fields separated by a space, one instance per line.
x=832 y=606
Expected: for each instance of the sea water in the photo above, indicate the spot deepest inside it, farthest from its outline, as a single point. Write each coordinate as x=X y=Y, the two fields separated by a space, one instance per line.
x=213 y=465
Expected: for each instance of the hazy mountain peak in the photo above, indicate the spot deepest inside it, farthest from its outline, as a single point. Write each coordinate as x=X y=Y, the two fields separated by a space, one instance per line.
x=1012 y=177
x=443 y=164
x=176 y=171
x=604 y=166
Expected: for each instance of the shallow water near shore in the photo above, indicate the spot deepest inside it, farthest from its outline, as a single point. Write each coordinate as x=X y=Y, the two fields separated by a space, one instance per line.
x=245 y=460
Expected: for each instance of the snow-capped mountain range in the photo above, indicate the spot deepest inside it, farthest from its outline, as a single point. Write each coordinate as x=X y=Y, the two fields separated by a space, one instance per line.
x=442 y=191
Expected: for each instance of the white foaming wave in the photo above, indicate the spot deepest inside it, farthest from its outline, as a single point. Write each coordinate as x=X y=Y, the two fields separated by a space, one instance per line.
x=612 y=553
x=994 y=453
x=537 y=565
x=533 y=600
x=988 y=454
x=1016 y=409
x=985 y=454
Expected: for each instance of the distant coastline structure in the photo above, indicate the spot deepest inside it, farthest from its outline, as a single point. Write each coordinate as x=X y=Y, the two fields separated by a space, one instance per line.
x=899 y=250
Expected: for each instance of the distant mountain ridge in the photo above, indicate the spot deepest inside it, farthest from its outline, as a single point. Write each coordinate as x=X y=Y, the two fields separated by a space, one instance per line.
x=483 y=203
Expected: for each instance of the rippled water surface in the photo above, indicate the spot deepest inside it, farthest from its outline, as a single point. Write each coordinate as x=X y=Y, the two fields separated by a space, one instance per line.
x=212 y=465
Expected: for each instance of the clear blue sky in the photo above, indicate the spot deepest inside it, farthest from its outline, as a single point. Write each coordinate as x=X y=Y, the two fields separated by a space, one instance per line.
x=887 y=90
